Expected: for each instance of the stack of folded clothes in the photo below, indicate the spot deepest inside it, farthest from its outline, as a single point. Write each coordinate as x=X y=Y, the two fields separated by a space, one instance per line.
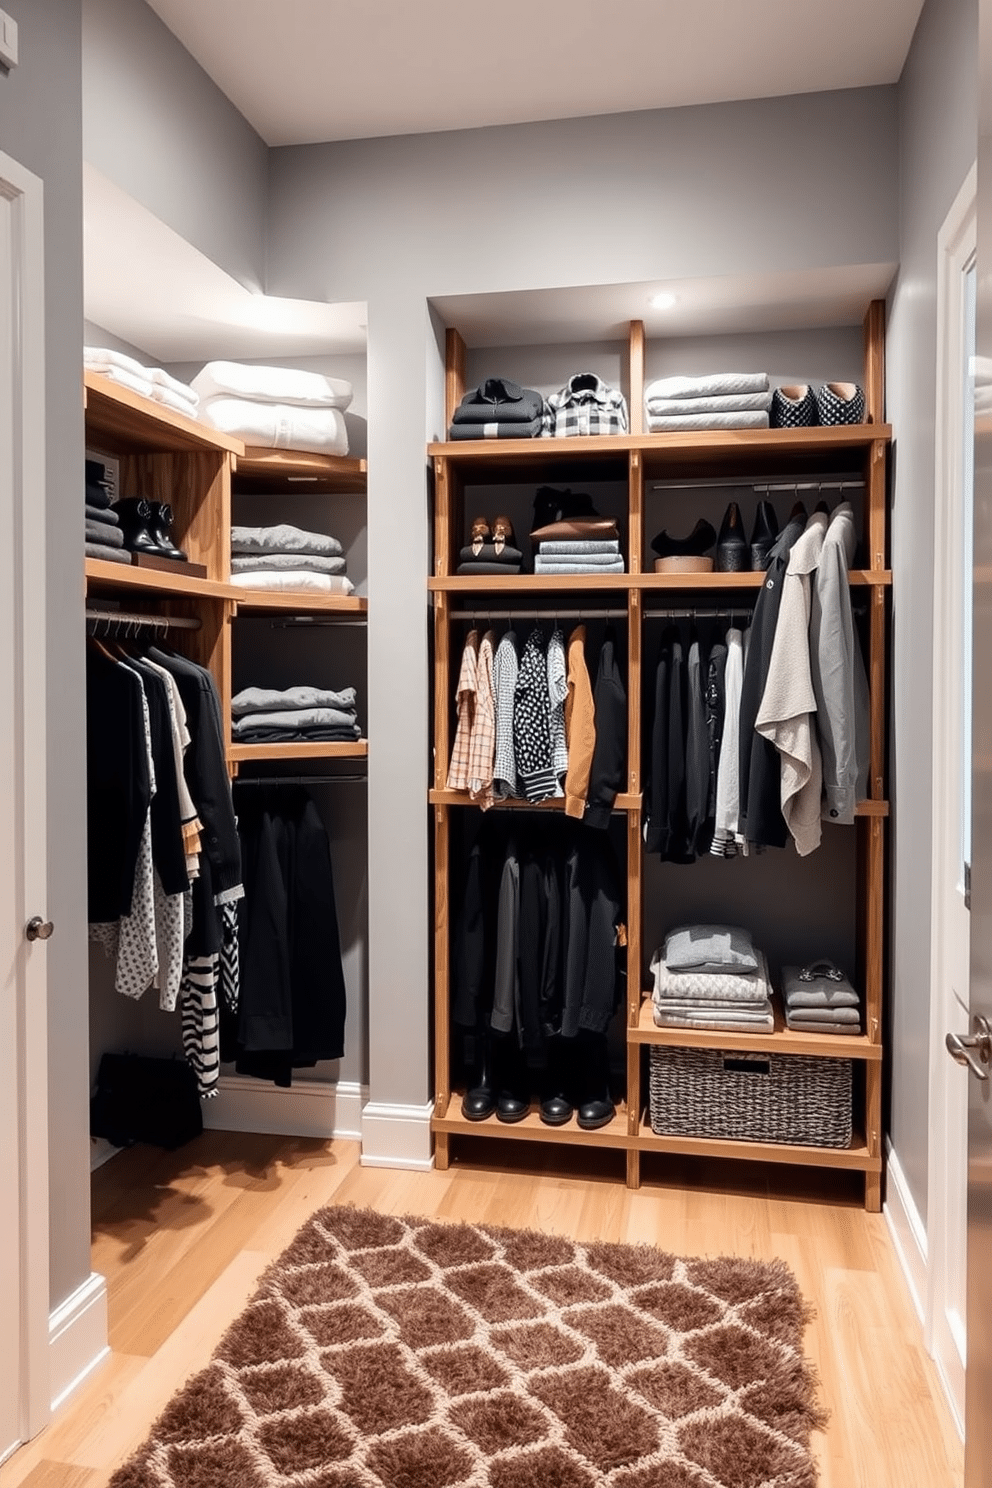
x=104 y=538
x=275 y=407
x=722 y=400
x=711 y=976
x=491 y=550
x=288 y=558
x=820 y=999
x=570 y=537
x=498 y=409
x=150 y=382
x=264 y=715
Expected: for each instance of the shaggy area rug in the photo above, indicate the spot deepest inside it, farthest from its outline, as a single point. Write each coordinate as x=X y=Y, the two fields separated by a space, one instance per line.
x=383 y=1352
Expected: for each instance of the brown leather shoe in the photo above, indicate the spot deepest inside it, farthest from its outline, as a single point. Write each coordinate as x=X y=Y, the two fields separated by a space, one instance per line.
x=503 y=534
x=480 y=534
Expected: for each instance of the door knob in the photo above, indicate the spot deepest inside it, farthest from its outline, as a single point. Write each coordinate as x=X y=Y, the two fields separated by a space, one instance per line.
x=974 y=1050
x=39 y=929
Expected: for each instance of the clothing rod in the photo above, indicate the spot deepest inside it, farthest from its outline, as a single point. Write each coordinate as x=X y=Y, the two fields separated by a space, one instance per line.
x=299 y=779
x=128 y=617
x=548 y=614
x=700 y=612
x=315 y=622
x=854 y=483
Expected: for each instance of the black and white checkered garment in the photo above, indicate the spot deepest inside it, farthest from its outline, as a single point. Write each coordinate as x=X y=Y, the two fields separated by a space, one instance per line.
x=835 y=410
x=506 y=666
x=793 y=413
x=585 y=405
x=531 y=724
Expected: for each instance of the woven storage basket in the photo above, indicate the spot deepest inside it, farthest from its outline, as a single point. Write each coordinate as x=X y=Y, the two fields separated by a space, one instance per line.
x=750 y=1097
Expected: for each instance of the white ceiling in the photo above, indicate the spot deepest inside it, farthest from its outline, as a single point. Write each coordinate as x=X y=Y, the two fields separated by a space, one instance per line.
x=147 y=285
x=304 y=71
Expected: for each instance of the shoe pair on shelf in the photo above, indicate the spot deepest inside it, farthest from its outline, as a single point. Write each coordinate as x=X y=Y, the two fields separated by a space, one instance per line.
x=491 y=548
x=145 y=525
x=797 y=405
x=734 y=554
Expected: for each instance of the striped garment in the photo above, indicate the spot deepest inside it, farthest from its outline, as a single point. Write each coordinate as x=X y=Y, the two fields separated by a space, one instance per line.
x=505 y=671
x=458 y=770
x=201 y=1028
x=557 y=693
x=482 y=741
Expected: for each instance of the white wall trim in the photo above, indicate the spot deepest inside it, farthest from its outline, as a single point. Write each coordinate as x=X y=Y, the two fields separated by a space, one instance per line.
x=397 y=1136
x=309 y=1108
x=77 y=1338
x=908 y=1232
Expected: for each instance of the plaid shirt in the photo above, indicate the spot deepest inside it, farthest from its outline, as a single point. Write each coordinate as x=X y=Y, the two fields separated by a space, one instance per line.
x=585 y=405
x=482 y=741
x=458 y=777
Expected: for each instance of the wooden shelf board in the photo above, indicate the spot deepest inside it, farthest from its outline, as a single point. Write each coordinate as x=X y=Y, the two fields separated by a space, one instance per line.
x=319 y=749
x=533 y=1129
x=173 y=584
x=782 y=1041
x=682 y=443
x=460 y=798
x=856 y=1156
x=872 y=808
x=271 y=470
x=122 y=422
x=528 y=583
x=259 y=601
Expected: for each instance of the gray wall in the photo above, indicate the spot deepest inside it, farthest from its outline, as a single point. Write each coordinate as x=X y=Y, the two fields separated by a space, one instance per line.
x=720 y=190
x=938 y=102
x=40 y=126
x=156 y=125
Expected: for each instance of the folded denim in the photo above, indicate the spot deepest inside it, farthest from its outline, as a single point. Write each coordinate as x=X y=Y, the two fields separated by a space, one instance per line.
x=300 y=562
x=282 y=538
x=273 y=700
x=98 y=532
x=109 y=554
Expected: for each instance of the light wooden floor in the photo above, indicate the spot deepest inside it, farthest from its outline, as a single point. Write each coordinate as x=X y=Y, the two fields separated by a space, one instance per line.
x=182 y=1238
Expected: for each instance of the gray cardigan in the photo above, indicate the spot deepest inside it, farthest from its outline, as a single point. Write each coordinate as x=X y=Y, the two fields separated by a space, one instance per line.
x=840 y=682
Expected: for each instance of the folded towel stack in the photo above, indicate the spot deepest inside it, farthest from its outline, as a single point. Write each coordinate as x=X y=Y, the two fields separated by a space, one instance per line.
x=722 y=400
x=578 y=545
x=487 y=560
x=711 y=976
x=286 y=558
x=265 y=715
x=150 y=382
x=275 y=407
x=498 y=409
x=820 y=999
x=103 y=535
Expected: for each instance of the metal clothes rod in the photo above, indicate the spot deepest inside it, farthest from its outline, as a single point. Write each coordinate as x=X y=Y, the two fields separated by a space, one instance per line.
x=299 y=779
x=307 y=622
x=155 y=622
x=700 y=612
x=548 y=614
x=764 y=486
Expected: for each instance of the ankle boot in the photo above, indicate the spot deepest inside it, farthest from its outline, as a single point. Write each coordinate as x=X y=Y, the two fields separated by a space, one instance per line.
x=700 y=540
x=556 y=1102
x=136 y=515
x=763 y=535
x=595 y=1103
x=161 y=522
x=510 y=1078
x=731 y=545
x=479 y=1101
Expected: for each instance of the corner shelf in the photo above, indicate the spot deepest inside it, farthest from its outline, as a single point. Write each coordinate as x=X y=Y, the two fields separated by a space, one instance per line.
x=272 y=471
x=120 y=422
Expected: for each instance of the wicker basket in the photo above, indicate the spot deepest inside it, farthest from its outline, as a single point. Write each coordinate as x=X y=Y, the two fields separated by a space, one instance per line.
x=798 y=1099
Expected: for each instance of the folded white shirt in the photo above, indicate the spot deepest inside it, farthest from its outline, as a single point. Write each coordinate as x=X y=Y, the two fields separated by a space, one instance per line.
x=271 y=385
x=294 y=581
x=718 y=403
x=319 y=431
x=713 y=384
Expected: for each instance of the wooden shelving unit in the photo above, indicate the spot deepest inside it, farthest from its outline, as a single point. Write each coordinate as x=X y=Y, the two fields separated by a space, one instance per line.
x=819 y=454
x=297 y=750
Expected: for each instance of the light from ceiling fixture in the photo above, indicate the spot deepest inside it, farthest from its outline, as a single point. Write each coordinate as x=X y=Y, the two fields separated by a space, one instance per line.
x=664 y=300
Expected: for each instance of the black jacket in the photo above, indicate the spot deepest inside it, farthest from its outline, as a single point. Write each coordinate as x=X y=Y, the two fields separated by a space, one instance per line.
x=761 y=819
x=118 y=785
x=668 y=819
x=498 y=400
x=609 y=758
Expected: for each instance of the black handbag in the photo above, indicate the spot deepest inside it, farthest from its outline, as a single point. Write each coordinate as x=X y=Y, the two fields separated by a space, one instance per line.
x=140 y=1099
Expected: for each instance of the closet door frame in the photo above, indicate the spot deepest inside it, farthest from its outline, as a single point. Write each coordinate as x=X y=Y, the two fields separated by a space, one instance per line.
x=23 y=751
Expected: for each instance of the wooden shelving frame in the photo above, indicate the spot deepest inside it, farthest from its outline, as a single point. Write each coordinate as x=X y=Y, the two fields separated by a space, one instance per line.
x=817 y=453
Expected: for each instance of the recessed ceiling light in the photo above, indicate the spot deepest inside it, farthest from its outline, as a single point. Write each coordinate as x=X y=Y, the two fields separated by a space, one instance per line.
x=664 y=300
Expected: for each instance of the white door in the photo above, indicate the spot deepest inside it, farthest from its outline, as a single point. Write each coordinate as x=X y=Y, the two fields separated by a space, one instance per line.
x=24 y=1390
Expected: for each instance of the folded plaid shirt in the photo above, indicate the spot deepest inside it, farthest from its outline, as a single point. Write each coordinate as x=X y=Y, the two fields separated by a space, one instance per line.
x=585 y=405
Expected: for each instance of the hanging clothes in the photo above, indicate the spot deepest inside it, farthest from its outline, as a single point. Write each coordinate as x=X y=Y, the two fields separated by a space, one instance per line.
x=506 y=669
x=840 y=683
x=482 y=740
x=531 y=722
x=580 y=726
x=609 y=760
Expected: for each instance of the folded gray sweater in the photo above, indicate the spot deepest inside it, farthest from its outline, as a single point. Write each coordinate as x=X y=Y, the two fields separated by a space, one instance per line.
x=274 y=700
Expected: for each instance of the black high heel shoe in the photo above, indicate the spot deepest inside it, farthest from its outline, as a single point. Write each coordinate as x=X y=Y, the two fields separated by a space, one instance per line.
x=731 y=545
x=763 y=535
x=701 y=538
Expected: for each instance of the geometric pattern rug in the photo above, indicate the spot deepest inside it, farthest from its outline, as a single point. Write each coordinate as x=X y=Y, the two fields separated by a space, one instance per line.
x=385 y=1352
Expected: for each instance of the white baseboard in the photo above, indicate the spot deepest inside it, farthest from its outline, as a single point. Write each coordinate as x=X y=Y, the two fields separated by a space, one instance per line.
x=77 y=1338
x=397 y=1136
x=308 y=1108
x=909 y=1234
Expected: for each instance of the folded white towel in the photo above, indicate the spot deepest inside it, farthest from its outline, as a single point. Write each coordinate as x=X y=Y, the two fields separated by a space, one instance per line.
x=267 y=562
x=719 y=403
x=169 y=399
x=102 y=359
x=318 y=431
x=271 y=385
x=658 y=425
x=151 y=382
x=294 y=581
x=714 y=384
x=133 y=381
x=283 y=538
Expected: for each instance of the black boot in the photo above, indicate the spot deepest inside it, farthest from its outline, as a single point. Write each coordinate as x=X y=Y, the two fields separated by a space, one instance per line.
x=510 y=1078
x=763 y=535
x=161 y=522
x=479 y=1101
x=595 y=1103
x=136 y=515
x=556 y=1102
x=731 y=545
x=700 y=540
